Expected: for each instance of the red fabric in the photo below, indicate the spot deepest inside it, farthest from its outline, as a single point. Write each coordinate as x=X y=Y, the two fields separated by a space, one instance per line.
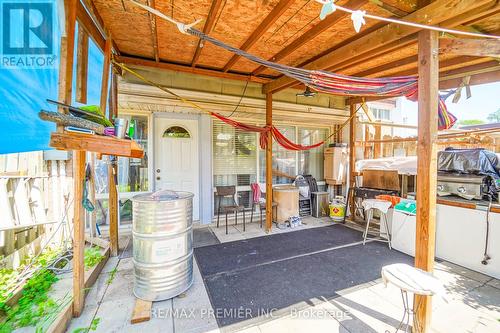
x=264 y=132
x=445 y=119
x=391 y=86
x=351 y=85
x=256 y=193
x=241 y=126
x=287 y=144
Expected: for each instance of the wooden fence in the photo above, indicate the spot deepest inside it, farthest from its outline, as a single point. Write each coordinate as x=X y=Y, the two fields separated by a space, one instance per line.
x=376 y=144
x=34 y=195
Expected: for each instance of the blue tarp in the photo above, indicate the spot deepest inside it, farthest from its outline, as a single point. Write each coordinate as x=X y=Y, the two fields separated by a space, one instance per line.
x=23 y=88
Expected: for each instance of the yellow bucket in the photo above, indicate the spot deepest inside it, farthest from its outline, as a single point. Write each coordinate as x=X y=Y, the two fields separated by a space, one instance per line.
x=337 y=210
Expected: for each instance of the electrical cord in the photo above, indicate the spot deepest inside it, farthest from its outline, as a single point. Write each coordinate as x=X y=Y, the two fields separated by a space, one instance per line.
x=27 y=271
x=486 y=257
x=241 y=99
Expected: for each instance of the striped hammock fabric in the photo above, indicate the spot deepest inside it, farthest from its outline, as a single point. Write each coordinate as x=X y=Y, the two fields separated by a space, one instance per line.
x=264 y=132
x=337 y=84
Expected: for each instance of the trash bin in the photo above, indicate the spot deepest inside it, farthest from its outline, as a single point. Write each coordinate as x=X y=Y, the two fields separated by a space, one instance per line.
x=320 y=204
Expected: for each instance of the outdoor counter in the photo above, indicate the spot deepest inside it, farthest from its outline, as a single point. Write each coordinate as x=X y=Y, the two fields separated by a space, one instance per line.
x=460 y=234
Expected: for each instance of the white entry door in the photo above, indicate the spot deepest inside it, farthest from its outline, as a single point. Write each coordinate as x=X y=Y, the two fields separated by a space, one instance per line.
x=176 y=157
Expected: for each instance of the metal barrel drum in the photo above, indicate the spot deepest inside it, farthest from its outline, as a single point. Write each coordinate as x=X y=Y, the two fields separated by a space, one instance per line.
x=162 y=244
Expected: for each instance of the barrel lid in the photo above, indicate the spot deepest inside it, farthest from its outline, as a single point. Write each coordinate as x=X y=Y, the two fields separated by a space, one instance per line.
x=162 y=195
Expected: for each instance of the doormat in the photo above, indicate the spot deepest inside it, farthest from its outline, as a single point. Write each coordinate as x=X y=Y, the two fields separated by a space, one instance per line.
x=240 y=254
x=275 y=285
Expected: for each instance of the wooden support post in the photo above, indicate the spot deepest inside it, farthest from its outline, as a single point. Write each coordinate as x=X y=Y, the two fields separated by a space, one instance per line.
x=112 y=172
x=269 y=163
x=428 y=83
x=377 y=147
x=82 y=57
x=352 y=153
x=366 y=148
x=79 y=233
x=113 y=211
x=67 y=56
x=114 y=94
x=93 y=215
x=105 y=75
x=70 y=7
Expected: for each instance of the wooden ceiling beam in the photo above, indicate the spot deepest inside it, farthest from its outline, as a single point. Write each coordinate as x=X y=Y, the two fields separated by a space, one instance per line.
x=413 y=59
x=275 y=13
x=482 y=78
x=484 y=11
x=486 y=67
x=388 y=8
x=207 y=28
x=188 y=69
x=90 y=27
x=477 y=15
x=90 y=6
x=154 y=30
x=437 y=12
x=390 y=65
x=462 y=61
x=480 y=73
x=377 y=71
x=354 y=60
x=91 y=11
x=470 y=47
x=323 y=25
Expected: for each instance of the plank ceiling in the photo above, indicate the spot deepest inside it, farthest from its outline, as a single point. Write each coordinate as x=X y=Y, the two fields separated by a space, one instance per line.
x=283 y=30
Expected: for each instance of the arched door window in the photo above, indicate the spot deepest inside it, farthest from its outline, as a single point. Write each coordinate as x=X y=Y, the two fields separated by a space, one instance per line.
x=176 y=132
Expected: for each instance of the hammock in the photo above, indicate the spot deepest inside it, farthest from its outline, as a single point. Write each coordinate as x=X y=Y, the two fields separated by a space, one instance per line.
x=337 y=84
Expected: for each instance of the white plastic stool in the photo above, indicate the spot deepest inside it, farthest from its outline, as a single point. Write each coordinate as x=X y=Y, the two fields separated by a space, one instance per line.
x=383 y=207
x=411 y=280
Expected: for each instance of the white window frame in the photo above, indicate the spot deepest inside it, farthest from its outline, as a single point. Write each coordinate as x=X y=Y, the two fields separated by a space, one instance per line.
x=259 y=149
x=129 y=195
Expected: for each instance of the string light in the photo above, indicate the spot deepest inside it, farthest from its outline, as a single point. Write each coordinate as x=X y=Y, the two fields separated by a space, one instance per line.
x=331 y=7
x=358 y=19
x=328 y=8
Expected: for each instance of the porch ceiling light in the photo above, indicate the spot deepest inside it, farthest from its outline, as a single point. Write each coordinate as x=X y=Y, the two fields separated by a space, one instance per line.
x=307 y=93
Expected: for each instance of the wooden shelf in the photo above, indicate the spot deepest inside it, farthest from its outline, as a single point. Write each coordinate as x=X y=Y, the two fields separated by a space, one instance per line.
x=105 y=145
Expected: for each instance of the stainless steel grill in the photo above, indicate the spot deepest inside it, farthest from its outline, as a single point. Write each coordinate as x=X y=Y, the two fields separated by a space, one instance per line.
x=163 y=244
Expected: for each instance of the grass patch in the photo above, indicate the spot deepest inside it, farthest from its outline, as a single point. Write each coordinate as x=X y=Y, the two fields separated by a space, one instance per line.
x=92 y=327
x=111 y=276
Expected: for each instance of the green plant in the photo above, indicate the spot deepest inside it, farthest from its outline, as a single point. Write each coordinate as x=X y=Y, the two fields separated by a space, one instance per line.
x=34 y=303
x=92 y=327
x=468 y=122
x=111 y=276
x=92 y=256
x=494 y=117
x=9 y=277
x=34 y=308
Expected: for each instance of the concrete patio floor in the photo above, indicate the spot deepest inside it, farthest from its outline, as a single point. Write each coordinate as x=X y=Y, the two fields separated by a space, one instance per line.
x=471 y=305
